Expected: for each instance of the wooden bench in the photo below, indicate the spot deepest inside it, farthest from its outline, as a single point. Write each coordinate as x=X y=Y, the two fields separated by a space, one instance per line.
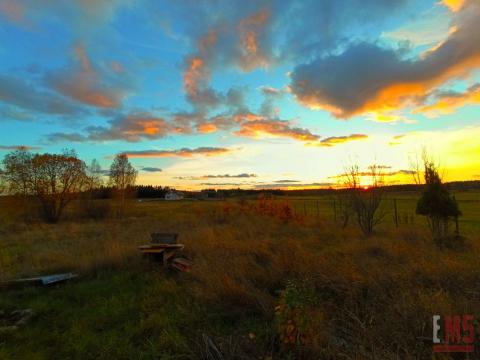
x=163 y=248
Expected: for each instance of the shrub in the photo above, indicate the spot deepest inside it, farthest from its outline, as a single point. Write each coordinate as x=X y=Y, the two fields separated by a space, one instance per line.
x=436 y=203
x=95 y=209
x=299 y=319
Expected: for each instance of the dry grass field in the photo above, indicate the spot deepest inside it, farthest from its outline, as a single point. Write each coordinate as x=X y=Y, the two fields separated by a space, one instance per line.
x=263 y=285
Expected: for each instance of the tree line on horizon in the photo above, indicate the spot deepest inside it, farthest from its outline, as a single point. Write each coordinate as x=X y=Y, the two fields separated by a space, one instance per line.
x=55 y=180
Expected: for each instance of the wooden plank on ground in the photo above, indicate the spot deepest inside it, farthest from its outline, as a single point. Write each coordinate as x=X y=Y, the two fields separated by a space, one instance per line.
x=181 y=264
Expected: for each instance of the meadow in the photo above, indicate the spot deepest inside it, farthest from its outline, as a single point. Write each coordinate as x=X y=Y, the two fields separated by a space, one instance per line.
x=262 y=286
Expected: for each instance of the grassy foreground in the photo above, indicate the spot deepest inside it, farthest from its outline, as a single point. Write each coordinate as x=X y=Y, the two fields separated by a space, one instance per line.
x=260 y=287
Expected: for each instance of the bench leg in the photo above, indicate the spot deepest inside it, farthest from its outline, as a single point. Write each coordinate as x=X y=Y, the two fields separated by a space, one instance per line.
x=167 y=256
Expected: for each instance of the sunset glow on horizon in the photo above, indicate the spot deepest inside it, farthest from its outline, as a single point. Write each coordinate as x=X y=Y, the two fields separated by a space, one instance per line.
x=253 y=94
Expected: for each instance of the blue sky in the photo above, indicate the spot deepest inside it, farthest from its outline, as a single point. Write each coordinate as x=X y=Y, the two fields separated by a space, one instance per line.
x=203 y=93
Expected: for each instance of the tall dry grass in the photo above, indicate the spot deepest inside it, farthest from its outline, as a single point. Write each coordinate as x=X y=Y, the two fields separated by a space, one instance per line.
x=374 y=297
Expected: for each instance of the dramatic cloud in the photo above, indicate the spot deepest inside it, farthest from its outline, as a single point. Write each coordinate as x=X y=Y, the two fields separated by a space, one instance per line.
x=315 y=28
x=184 y=152
x=347 y=84
x=244 y=37
x=132 y=128
x=335 y=140
x=22 y=94
x=151 y=169
x=251 y=29
x=276 y=128
x=83 y=83
x=243 y=42
x=197 y=73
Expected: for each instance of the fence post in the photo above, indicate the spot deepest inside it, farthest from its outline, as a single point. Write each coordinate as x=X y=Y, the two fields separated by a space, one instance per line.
x=395 y=212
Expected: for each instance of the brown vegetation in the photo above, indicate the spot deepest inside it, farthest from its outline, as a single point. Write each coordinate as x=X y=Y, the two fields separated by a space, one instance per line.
x=317 y=288
x=364 y=202
x=53 y=179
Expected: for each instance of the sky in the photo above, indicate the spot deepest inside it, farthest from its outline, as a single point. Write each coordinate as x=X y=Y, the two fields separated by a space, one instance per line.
x=252 y=94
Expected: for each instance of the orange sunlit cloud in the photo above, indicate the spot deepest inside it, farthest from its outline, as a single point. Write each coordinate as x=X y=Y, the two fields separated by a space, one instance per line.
x=135 y=127
x=248 y=117
x=149 y=127
x=197 y=70
x=449 y=103
x=396 y=84
x=275 y=128
x=249 y=29
x=206 y=128
x=336 y=140
x=83 y=83
x=184 y=152
x=216 y=77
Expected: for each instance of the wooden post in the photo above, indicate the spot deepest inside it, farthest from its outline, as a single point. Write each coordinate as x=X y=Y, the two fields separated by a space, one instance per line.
x=395 y=212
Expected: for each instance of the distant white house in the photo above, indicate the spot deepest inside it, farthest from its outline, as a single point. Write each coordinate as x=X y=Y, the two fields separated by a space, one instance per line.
x=173 y=195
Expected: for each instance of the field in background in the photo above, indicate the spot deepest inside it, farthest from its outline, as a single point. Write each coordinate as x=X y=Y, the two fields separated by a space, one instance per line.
x=468 y=202
x=256 y=280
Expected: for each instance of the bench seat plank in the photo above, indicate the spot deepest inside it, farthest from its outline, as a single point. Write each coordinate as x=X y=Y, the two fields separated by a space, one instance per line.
x=152 y=251
x=161 y=246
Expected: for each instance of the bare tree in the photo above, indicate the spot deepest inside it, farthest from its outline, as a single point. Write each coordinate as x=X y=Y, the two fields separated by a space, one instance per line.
x=365 y=201
x=122 y=177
